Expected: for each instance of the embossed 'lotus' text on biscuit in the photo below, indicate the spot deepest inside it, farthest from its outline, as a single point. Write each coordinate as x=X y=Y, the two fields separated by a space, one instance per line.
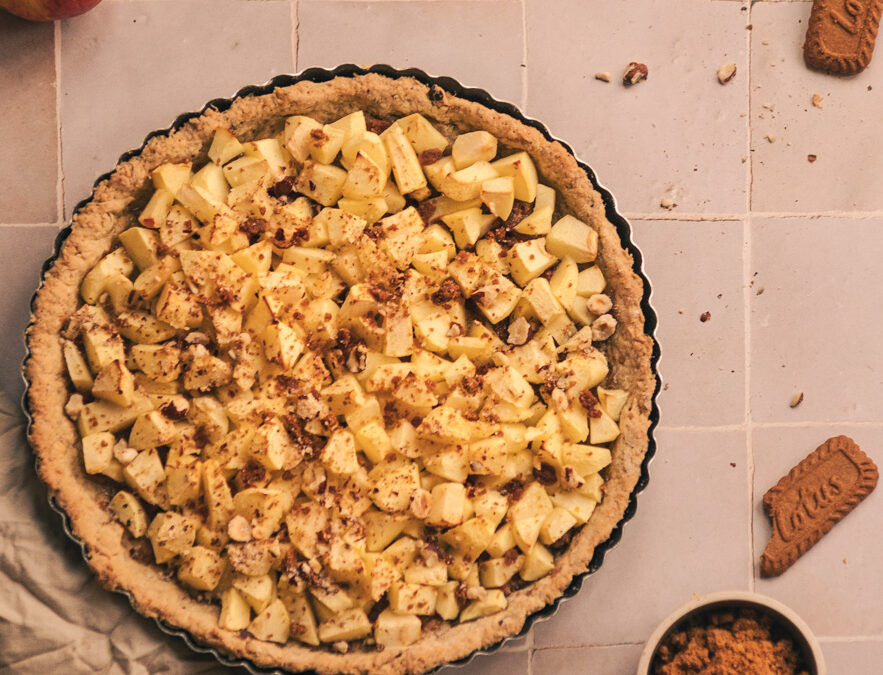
x=841 y=34
x=814 y=496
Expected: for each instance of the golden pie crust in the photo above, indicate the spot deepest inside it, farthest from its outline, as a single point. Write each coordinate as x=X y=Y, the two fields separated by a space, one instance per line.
x=114 y=207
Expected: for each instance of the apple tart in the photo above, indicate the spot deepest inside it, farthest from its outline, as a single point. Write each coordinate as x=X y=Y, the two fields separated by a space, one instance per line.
x=352 y=376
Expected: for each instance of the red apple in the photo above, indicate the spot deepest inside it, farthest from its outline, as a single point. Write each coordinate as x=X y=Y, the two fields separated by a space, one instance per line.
x=47 y=10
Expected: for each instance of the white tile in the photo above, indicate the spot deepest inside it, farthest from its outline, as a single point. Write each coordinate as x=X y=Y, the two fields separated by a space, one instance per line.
x=836 y=585
x=132 y=67
x=680 y=132
x=28 y=124
x=814 y=323
x=607 y=660
x=845 y=134
x=855 y=658
x=479 y=43
x=690 y=535
x=696 y=267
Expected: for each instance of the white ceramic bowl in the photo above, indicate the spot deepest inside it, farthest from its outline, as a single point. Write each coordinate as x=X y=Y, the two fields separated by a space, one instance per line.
x=804 y=641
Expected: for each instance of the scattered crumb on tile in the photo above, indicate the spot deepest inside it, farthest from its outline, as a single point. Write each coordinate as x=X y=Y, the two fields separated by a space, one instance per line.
x=733 y=464
x=796 y=400
x=769 y=106
x=705 y=316
x=811 y=158
x=760 y=291
x=771 y=138
x=726 y=72
x=817 y=100
x=604 y=77
x=667 y=203
x=634 y=73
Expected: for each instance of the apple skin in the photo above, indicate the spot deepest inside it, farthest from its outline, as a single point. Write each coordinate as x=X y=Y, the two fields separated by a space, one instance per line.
x=47 y=10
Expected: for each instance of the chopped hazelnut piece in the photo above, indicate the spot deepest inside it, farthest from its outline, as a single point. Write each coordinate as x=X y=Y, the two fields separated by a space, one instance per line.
x=603 y=327
x=634 y=73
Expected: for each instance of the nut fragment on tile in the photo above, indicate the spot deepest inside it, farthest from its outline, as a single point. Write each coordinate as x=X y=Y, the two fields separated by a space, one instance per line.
x=726 y=72
x=796 y=400
x=811 y=158
x=817 y=100
x=667 y=203
x=705 y=316
x=771 y=138
x=604 y=77
x=634 y=73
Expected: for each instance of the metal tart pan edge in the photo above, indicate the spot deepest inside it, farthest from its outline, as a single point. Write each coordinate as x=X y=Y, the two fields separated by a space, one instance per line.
x=619 y=222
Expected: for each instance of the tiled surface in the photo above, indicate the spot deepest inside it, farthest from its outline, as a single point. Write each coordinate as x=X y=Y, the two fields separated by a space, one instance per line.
x=480 y=43
x=812 y=328
x=29 y=127
x=189 y=54
x=661 y=560
x=781 y=252
x=701 y=359
x=843 y=134
x=652 y=146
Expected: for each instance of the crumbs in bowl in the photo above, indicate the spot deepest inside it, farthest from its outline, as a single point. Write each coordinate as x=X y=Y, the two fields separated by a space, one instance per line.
x=728 y=641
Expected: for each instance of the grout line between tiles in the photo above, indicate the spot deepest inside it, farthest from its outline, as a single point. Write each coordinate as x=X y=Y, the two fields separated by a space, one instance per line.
x=583 y=645
x=784 y=215
x=523 y=55
x=295 y=36
x=746 y=309
x=59 y=185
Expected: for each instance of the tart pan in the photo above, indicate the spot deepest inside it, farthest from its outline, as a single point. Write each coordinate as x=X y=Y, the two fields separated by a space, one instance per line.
x=622 y=227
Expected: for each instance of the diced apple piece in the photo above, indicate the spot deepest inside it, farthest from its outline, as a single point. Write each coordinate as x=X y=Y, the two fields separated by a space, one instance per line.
x=422 y=135
x=224 y=147
x=370 y=209
x=303 y=621
x=541 y=302
x=445 y=425
x=527 y=515
x=98 y=451
x=412 y=598
x=497 y=572
x=498 y=194
x=183 y=479
x=105 y=416
x=152 y=279
x=259 y=592
x=585 y=459
x=235 y=611
x=243 y=172
x=406 y=167
x=448 y=500
x=539 y=221
x=170 y=534
x=613 y=401
x=521 y=167
x=469 y=225
x=465 y=184
x=570 y=237
x=365 y=178
x=602 y=428
x=157 y=208
x=497 y=298
x=151 y=430
x=128 y=510
x=502 y=541
x=171 y=177
x=381 y=529
x=297 y=136
x=77 y=368
x=393 y=484
x=145 y=474
x=495 y=601
x=393 y=629
x=339 y=453
x=282 y=344
x=556 y=525
x=472 y=147
x=115 y=262
x=529 y=259
x=141 y=244
x=538 y=562
x=470 y=538
x=273 y=448
x=273 y=152
x=400 y=235
x=217 y=495
x=564 y=282
x=343 y=228
x=158 y=362
x=446 y=605
x=325 y=143
x=211 y=179
x=322 y=182
x=201 y=569
x=351 y=624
